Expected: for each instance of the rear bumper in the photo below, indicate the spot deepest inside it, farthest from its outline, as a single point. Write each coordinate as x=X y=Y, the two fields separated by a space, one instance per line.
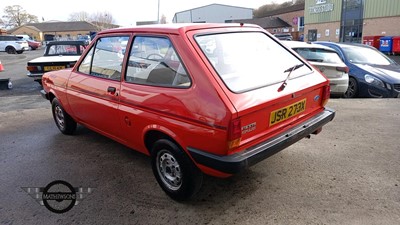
x=237 y=162
x=34 y=75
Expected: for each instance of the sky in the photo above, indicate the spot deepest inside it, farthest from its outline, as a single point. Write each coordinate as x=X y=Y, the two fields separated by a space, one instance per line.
x=124 y=12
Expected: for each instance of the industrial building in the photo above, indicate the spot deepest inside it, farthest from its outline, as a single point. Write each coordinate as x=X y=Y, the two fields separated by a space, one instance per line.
x=350 y=20
x=213 y=13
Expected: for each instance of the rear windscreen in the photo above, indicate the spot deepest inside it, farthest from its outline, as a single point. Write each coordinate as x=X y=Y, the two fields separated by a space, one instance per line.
x=248 y=60
x=319 y=55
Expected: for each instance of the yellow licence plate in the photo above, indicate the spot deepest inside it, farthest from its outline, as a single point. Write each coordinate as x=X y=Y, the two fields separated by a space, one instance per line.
x=287 y=112
x=50 y=68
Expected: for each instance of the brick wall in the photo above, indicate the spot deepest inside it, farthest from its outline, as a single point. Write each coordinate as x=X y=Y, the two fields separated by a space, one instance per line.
x=387 y=26
x=326 y=31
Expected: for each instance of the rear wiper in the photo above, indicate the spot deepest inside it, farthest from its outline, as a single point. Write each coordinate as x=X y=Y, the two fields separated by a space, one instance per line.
x=290 y=70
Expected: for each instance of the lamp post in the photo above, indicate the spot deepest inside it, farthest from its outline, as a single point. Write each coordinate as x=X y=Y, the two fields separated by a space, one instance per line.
x=158 y=12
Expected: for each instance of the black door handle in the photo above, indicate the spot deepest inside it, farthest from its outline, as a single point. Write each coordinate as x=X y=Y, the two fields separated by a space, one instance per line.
x=111 y=90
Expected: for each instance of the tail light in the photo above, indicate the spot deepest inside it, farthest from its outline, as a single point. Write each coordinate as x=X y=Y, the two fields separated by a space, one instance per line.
x=234 y=134
x=344 y=69
x=32 y=68
x=326 y=93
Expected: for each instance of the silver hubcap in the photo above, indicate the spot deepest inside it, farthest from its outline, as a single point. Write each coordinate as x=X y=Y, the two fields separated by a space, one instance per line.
x=59 y=116
x=169 y=170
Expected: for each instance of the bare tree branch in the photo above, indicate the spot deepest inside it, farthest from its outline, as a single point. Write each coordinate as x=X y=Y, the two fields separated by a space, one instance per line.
x=15 y=16
x=79 y=16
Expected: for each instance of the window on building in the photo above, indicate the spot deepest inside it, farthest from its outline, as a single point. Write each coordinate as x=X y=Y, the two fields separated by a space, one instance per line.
x=352 y=21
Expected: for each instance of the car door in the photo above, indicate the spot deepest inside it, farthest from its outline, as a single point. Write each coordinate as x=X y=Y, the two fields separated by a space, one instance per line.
x=94 y=87
x=2 y=44
x=152 y=90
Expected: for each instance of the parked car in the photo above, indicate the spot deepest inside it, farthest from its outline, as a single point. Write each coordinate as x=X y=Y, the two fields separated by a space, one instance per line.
x=31 y=43
x=57 y=55
x=371 y=74
x=197 y=98
x=284 y=36
x=85 y=38
x=12 y=44
x=327 y=61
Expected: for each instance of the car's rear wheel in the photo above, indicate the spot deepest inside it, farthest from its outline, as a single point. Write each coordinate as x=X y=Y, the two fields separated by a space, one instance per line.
x=352 y=90
x=175 y=172
x=11 y=50
x=20 y=52
x=63 y=120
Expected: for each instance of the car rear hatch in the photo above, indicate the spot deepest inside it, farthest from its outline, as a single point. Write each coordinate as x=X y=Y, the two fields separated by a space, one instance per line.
x=327 y=61
x=271 y=88
x=51 y=63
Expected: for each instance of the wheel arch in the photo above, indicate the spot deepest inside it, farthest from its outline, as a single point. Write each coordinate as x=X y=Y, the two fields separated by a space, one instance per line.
x=151 y=135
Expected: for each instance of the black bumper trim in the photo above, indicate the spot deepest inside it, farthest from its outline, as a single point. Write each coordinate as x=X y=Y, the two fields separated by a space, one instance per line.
x=237 y=162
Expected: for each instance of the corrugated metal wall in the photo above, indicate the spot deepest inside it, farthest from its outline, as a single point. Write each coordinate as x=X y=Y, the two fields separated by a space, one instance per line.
x=372 y=9
x=322 y=17
x=214 y=13
x=381 y=8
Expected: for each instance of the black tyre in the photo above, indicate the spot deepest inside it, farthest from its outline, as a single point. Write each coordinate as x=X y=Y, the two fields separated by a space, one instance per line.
x=352 y=90
x=175 y=172
x=64 y=122
x=20 y=52
x=11 y=50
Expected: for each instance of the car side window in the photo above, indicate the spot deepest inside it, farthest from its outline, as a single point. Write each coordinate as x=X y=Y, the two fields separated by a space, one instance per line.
x=84 y=67
x=154 y=61
x=105 y=58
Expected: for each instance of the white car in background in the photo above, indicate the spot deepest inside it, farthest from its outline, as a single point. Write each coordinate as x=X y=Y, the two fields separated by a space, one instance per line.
x=327 y=60
x=12 y=44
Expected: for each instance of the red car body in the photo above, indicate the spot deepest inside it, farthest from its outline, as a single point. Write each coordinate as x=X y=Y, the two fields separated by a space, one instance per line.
x=34 y=44
x=206 y=125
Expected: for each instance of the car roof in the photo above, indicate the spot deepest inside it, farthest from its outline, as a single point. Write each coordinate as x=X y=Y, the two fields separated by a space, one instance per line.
x=176 y=28
x=301 y=44
x=67 y=43
x=343 y=44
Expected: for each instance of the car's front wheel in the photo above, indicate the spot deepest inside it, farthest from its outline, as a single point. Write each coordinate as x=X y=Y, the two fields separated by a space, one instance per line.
x=20 y=52
x=63 y=120
x=175 y=172
x=352 y=90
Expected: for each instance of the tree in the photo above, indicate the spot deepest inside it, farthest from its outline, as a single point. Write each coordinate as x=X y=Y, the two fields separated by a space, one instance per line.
x=15 y=16
x=79 y=16
x=103 y=20
x=265 y=9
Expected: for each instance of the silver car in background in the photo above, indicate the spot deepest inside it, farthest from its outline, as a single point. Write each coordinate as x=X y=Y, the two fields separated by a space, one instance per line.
x=327 y=61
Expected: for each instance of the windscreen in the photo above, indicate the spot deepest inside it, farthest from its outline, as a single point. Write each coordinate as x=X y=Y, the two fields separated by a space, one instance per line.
x=364 y=55
x=248 y=60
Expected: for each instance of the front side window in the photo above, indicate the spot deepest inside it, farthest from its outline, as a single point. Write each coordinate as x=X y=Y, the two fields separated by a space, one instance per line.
x=248 y=60
x=105 y=58
x=154 y=61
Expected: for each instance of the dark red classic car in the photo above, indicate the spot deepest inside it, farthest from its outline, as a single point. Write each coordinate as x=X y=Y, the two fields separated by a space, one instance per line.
x=197 y=98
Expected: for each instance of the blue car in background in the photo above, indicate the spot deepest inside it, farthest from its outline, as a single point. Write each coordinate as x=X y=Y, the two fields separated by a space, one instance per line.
x=371 y=73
